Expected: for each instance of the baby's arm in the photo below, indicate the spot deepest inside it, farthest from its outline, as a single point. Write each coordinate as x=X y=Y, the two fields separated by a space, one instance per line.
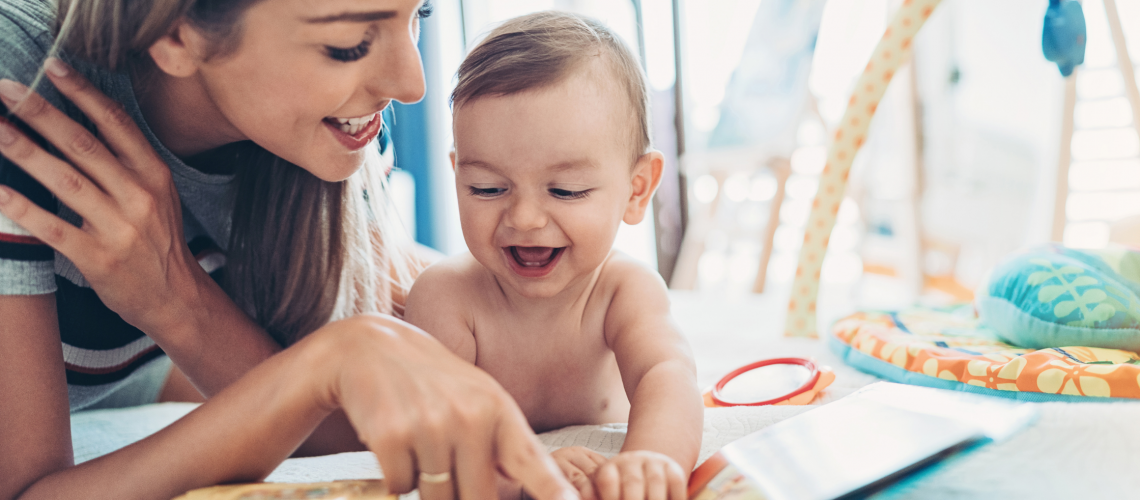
x=657 y=369
x=436 y=304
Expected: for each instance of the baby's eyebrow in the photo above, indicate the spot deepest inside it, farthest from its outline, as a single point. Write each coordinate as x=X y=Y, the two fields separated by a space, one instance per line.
x=580 y=164
x=574 y=165
x=476 y=164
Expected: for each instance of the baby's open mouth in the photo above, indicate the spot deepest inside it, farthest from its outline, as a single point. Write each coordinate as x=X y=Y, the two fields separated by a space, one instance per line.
x=535 y=256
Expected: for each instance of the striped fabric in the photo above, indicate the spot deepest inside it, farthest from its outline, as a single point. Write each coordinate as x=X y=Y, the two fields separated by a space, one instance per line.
x=102 y=352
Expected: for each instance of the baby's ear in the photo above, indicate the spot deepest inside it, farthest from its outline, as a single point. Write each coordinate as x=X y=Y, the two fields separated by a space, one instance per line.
x=646 y=178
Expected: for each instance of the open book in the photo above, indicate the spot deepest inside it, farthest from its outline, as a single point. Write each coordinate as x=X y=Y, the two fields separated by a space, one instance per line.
x=857 y=445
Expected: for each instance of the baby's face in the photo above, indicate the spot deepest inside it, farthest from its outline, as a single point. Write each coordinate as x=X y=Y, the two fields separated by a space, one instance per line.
x=544 y=178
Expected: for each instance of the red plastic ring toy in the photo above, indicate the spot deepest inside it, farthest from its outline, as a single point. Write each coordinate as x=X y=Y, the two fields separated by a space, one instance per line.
x=806 y=363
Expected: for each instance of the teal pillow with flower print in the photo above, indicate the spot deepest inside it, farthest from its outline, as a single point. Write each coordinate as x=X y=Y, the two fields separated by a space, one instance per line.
x=1054 y=296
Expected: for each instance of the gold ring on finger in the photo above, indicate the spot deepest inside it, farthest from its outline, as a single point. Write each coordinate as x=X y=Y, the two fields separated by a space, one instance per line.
x=438 y=478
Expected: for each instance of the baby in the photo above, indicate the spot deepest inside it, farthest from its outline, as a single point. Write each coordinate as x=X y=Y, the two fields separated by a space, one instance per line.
x=551 y=154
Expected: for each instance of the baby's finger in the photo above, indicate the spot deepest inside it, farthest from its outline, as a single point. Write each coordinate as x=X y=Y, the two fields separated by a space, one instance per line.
x=71 y=138
x=607 y=481
x=678 y=487
x=632 y=480
x=656 y=482
x=577 y=476
x=115 y=124
x=587 y=461
x=44 y=225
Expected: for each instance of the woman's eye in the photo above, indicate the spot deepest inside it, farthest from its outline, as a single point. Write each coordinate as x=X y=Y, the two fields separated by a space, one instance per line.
x=350 y=54
x=566 y=194
x=425 y=10
x=487 y=192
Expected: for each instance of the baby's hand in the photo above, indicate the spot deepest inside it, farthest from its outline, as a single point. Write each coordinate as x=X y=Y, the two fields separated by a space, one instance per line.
x=634 y=475
x=579 y=465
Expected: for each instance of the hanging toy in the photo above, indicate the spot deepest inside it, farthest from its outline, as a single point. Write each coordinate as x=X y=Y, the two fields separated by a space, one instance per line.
x=1063 y=37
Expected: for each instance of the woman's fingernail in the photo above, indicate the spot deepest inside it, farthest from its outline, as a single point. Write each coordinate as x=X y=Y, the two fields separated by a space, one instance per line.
x=7 y=133
x=4 y=195
x=12 y=91
x=56 y=67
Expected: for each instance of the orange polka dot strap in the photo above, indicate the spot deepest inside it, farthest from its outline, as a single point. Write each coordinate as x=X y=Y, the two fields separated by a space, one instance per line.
x=893 y=49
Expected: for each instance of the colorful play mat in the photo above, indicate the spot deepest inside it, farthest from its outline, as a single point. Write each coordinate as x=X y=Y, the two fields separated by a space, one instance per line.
x=951 y=349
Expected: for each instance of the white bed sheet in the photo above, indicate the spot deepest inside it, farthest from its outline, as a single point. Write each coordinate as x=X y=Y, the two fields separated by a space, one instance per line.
x=1079 y=450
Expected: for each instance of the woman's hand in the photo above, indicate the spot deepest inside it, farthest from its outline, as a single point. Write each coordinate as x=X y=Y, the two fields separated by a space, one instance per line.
x=422 y=410
x=131 y=247
x=433 y=420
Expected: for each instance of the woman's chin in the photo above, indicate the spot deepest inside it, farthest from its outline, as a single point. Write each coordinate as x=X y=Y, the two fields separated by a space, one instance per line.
x=335 y=168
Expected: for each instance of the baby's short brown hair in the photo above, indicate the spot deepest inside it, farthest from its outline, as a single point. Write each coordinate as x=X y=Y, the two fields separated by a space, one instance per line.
x=542 y=49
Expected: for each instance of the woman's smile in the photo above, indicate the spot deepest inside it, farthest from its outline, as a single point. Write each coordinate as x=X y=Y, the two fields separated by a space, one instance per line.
x=355 y=133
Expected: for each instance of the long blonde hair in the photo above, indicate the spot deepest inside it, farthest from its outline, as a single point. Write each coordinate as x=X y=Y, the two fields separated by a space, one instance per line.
x=302 y=251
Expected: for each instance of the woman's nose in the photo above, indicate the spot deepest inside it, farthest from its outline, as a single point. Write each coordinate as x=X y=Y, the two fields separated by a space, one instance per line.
x=400 y=75
x=526 y=215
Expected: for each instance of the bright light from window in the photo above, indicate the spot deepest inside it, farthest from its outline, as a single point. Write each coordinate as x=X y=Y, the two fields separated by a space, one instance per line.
x=845 y=267
x=1105 y=144
x=802 y=187
x=736 y=187
x=1102 y=206
x=1114 y=112
x=1105 y=175
x=705 y=188
x=1099 y=83
x=1087 y=235
x=763 y=188
x=795 y=212
x=809 y=160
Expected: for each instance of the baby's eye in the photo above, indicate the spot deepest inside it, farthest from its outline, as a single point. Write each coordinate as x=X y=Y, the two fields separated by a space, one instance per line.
x=486 y=192
x=567 y=194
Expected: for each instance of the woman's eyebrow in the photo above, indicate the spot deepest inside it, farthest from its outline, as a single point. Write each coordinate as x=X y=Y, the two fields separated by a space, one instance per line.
x=354 y=17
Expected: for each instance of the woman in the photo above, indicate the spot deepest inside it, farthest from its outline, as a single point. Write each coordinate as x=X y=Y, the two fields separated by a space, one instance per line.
x=239 y=123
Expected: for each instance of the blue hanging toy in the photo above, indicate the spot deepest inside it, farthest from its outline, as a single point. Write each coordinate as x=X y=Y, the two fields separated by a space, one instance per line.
x=1063 y=37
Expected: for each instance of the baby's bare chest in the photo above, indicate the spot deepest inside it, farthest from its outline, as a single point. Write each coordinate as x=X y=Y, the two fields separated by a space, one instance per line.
x=560 y=370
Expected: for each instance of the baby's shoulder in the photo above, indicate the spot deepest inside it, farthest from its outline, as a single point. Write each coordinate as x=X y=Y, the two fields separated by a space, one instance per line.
x=453 y=276
x=624 y=274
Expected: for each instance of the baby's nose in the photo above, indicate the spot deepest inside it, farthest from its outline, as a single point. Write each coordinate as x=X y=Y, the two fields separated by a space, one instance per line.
x=526 y=215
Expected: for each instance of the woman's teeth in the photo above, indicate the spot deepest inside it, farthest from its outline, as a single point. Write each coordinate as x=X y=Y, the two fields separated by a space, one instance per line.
x=353 y=126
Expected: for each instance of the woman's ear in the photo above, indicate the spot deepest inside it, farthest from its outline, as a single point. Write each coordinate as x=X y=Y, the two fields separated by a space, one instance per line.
x=646 y=178
x=180 y=52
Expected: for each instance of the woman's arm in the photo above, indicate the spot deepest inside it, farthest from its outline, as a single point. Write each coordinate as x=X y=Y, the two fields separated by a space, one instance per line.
x=35 y=438
x=415 y=405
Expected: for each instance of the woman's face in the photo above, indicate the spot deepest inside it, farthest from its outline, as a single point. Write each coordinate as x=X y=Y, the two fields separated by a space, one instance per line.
x=309 y=78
